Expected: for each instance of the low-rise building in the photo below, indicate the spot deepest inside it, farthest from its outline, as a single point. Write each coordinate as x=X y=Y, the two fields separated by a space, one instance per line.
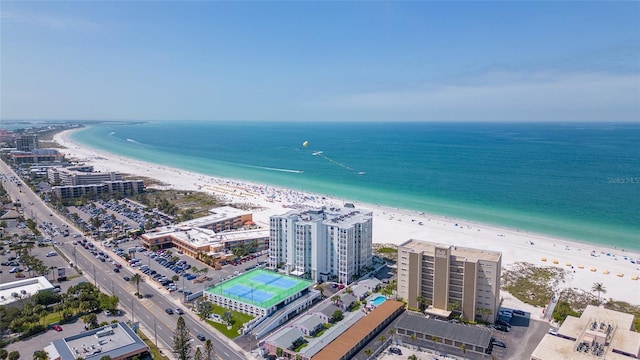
x=217 y=233
x=14 y=291
x=117 y=341
x=597 y=334
x=431 y=333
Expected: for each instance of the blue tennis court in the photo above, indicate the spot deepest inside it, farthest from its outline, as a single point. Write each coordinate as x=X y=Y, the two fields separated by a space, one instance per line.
x=274 y=280
x=250 y=295
x=260 y=287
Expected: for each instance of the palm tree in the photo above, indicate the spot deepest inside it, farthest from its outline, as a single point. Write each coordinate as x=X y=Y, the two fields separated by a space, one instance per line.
x=368 y=352
x=209 y=351
x=600 y=289
x=40 y=355
x=391 y=333
x=412 y=357
x=137 y=279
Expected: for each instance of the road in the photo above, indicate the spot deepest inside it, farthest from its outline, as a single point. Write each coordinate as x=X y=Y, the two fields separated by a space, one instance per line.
x=150 y=312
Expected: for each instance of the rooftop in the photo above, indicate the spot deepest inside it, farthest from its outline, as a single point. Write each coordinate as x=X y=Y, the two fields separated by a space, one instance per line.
x=261 y=288
x=218 y=214
x=15 y=290
x=468 y=254
x=114 y=340
x=611 y=328
x=350 y=339
x=472 y=335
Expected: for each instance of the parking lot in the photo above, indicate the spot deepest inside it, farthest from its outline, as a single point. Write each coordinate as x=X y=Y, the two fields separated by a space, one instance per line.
x=53 y=261
x=161 y=267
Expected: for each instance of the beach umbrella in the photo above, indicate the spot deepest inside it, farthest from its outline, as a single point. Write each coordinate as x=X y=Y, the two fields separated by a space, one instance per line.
x=620 y=274
x=543 y=259
x=580 y=266
x=606 y=272
x=634 y=277
x=592 y=269
x=568 y=264
x=555 y=261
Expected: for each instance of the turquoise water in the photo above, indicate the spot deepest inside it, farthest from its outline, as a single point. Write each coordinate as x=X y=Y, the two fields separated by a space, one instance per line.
x=577 y=181
x=378 y=300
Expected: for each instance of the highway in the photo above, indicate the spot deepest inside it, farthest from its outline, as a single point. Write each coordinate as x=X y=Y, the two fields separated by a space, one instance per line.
x=150 y=311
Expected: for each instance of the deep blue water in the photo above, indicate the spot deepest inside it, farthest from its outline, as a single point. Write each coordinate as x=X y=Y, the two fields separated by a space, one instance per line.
x=578 y=181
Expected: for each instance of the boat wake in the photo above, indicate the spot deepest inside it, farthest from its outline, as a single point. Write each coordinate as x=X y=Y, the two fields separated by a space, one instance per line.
x=279 y=169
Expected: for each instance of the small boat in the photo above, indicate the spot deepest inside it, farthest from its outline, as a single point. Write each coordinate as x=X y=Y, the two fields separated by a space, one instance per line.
x=361 y=173
x=316 y=153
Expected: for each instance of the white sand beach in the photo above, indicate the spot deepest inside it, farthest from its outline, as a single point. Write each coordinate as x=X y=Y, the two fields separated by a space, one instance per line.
x=591 y=264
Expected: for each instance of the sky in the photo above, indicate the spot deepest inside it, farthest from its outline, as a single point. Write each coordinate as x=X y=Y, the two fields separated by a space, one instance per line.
x=320 y=61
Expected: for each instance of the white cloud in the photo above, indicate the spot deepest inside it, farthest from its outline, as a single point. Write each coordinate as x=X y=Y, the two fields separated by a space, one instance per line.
x=502 y=97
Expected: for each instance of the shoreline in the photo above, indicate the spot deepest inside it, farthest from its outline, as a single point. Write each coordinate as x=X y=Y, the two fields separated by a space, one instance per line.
x=395 y=225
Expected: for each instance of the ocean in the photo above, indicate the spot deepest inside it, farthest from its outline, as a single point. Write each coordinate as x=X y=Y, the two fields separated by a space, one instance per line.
x=575 y=181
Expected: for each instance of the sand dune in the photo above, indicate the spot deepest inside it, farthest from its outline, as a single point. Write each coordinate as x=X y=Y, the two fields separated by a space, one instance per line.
x=613 y=267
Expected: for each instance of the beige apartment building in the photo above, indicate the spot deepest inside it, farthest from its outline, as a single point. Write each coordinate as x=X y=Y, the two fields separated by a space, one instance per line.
x=447 y=277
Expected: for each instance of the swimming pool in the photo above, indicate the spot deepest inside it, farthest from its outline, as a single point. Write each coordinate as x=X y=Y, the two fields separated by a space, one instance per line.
x=378 y=300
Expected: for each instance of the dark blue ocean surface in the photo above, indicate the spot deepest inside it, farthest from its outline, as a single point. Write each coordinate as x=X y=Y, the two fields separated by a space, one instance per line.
x=578 y=181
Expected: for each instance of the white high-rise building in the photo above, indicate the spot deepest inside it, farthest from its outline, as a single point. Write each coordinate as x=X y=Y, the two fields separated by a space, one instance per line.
x=322 y=244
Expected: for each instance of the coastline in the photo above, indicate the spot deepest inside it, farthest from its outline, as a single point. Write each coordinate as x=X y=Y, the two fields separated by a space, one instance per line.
x=395 y=226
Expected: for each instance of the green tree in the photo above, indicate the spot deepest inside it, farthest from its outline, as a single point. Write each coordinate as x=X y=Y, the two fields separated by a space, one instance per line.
x=209 y=351
x=368 y=352
x=137 y=279
x=175 y=278
x=203 y=308
x=600 y=289
x=228 y=317
x=3 y=354
x=198 y=354
x=14 y=355
x=181 y=340
x=336 y=316
x=105 y=357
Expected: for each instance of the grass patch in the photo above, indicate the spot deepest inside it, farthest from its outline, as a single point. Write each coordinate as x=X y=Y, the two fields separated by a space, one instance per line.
x=153 y=349
x=239 y=319
x=626 y=308
x=532 y=284
x=52 y=318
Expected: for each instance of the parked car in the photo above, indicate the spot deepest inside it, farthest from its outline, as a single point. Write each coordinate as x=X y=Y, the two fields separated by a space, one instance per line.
x=519 y=312
x=57 y=327
x=501 y=327
x=395 y=350
x=498 y=343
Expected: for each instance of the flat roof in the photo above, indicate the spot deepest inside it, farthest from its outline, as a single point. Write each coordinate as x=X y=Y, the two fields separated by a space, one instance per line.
x=468 y=254
x=472 y=335
x=13 y=291
x=594 y=322
x=114 y=340
x=349 y=339
x=218 y=214
x=261 y=288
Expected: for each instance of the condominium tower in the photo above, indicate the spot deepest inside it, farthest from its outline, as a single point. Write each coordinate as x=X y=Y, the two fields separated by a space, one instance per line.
x=450 y=277
x=322 y=244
